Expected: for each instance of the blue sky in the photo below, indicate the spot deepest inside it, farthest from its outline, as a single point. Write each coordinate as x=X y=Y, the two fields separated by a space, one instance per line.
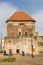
x=32 y=7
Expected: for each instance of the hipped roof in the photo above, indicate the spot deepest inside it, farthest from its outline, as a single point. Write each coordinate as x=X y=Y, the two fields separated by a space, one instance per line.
x=20 y=16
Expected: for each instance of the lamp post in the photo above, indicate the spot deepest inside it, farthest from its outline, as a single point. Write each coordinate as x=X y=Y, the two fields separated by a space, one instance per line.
x=32 y=45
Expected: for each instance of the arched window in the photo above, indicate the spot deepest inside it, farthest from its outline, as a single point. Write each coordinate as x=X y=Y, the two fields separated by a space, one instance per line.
x=19 y=33
x=25 y=33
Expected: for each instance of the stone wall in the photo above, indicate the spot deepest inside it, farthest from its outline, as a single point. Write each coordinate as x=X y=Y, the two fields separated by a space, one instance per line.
x=21 y=43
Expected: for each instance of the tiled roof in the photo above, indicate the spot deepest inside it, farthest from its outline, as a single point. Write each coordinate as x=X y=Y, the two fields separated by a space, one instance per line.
x=20 y=16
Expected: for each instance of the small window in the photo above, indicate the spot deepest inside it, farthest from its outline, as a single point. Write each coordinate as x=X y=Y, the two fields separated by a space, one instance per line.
x=26 y=33
x=21 y=23
x=19 y=33
x=9 y=41
x=17 y=50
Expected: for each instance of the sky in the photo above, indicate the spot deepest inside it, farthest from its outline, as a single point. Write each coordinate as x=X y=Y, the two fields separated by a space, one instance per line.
x=32 y=7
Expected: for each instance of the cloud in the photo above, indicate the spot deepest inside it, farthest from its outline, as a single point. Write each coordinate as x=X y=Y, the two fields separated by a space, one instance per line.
x=6 y=10
x=38 y=16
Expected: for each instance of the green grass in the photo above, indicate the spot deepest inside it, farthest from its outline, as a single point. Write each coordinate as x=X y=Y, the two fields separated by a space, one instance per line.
x=9 y=59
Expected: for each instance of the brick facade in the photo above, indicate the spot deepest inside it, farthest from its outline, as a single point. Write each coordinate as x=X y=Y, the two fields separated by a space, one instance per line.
x=13 y=28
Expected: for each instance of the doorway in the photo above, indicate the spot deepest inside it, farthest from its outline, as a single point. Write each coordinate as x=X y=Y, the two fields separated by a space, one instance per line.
x=10 y=51
x=18 y=51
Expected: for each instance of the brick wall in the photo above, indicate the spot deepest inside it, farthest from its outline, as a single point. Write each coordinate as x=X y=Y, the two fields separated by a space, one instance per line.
x=13 y=28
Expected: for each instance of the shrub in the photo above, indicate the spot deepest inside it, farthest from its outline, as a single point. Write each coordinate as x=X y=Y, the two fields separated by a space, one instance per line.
x=10 y=59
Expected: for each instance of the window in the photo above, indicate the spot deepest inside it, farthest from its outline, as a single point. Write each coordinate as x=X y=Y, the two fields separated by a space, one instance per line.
x=26 y=33
x=19 y=33
x=21 y=23
x=17 y=50
x=9 y=41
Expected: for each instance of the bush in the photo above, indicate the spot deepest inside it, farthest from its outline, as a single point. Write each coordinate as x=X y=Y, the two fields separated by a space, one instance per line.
x=10 y=59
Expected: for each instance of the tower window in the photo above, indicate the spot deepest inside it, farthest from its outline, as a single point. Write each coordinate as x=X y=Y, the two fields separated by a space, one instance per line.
x=19 y=33
x=26 y=33
x=21 y=23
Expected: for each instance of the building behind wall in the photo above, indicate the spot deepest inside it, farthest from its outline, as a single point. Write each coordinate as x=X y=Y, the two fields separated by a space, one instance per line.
x=40 y=44
x=20 y=31
x=1 y=45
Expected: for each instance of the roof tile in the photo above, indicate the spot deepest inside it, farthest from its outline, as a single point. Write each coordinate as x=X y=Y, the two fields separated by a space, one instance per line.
x=20 y=16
